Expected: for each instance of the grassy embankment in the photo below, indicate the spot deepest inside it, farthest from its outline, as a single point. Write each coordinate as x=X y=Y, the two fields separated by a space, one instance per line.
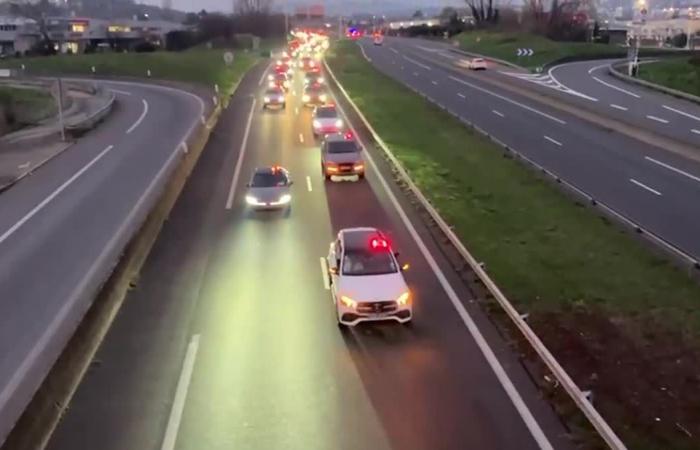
x=623 y=321
x=675 y=73
x=21 y=107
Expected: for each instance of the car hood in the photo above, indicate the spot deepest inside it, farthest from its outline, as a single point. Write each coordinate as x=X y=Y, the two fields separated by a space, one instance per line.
x=372 y=288
x=344 y=158
x=271 y=194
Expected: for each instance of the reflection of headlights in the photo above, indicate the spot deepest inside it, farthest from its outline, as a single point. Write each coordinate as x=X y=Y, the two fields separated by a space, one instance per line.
x=403 y=298
x=338 y=123
x=251 y=200
x=305 y=98
x=271 y=84
x=347 y=301
x=266 y=99
x=323 y=97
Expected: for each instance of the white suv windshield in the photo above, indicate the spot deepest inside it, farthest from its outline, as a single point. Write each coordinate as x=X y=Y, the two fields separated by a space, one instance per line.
x=368 y=262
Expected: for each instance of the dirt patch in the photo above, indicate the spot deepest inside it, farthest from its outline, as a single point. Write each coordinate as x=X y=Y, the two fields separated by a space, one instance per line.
x=644 y=375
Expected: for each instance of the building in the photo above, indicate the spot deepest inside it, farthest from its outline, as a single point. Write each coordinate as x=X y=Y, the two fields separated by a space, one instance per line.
x=125 y=34
x=17 y=35
x=76 y=34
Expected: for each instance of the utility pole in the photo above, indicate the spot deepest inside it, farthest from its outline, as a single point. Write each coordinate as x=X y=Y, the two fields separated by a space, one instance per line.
x=60 y=110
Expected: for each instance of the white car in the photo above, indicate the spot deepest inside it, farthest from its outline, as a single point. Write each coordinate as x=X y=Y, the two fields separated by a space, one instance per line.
x=366 y=280
x=326 y=120
x=477 y=64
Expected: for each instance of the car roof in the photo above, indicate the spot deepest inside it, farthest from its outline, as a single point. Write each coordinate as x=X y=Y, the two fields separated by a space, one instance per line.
x=358 y=238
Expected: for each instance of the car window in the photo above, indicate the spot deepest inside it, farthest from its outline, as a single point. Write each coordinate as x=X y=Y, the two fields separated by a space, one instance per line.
x=341 y=147
x=368 y=262
x=273 y=92
x=269 y=179
x=326 y=113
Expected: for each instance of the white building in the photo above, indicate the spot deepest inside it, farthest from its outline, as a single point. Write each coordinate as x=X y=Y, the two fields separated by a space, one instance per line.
x=17 y=34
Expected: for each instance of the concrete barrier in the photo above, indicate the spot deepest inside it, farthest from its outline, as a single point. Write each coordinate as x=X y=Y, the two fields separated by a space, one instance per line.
x=612 y=69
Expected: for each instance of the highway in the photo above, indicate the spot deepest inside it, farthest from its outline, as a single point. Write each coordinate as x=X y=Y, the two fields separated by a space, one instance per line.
x=58 y=229
x=229 y=338
x=651 y=185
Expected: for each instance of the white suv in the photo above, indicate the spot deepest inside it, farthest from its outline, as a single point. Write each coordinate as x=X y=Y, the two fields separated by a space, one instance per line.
x=366 y=280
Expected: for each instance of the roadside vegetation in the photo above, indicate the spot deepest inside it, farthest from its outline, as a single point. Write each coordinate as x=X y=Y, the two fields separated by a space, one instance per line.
x=20 y=107
x=624 y=322
x=682 y=74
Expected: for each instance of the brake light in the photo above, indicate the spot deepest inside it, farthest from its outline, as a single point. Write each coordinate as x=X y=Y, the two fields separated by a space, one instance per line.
x=379 y=243
x=348 y=135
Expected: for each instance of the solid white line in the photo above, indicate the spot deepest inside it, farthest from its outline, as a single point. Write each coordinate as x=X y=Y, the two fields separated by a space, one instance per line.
x=695 y=131
x=420 y=64
x=301 y=138
x=140 y=119
x=612 y=86
x=434 y=82
x=183 y=385
x=308 y=183
x=53 y=195
x=324 y=274
x=500 y=114
x=391 y=49
x=553 y=141
x=536 y=111
x=365 y=54
x=669 y=167
x=488 y=353
x=621 y=108
x=241 y=153
x=682 y=113
x=296 y=110
x=658 y=119
x=262 y=77
x=593 y=69
x=644 y=186
x=118 y=91
x=461 y=96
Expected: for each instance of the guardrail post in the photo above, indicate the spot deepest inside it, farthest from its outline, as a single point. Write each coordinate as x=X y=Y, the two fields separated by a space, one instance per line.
x=148 y=73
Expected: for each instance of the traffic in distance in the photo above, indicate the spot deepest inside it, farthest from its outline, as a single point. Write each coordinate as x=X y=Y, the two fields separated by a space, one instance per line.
x=365 y=277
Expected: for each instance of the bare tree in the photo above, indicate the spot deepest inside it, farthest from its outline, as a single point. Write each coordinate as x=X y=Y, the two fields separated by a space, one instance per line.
x=244 y=7
x=484 y=11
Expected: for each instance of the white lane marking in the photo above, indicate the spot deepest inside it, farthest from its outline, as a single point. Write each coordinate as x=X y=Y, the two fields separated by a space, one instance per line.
x=324 y=274
x=536 y=111
x=262 y=76
x=415 y=74
x=418 y=63
x=301 y=138
x=183 y=386
x=612 y=86
x=120 y=92
x=308 y=183
x=695 y=131
x=241 y=153
x=365 y=54
x=488 y=353
x=53 y=195
x=670 y=167
x=428 y=49
x=644 y=186
x=657 y=119
x=553 y=141
x=391 y=49
x=24 y=166
x=500 y=114
x=296 y=110
x=593 y=69
x=548 y=80
x=140 y=119
x=461 y=96
x=434 y=83
x=682 y=113
x=621 y=108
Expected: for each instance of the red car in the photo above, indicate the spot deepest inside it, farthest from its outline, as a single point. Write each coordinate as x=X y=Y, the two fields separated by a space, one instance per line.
x=283 y=68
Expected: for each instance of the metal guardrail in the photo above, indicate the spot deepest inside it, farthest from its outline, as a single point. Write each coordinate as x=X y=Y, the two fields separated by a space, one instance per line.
x=575 y=393
x=657 y=87
x=92 y=119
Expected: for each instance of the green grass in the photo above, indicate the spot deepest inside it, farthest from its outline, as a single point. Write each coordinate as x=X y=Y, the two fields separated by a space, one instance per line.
x=545 y=251
x=676 y=73
x=26 y=106
x=205 y=67
x=503 y=45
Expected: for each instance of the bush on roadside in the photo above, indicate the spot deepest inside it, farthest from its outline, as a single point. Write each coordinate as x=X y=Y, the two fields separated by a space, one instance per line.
x=680 y=40
x=144 y=47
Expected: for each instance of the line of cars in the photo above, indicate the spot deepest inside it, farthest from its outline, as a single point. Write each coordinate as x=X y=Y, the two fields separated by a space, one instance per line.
x=364 y=275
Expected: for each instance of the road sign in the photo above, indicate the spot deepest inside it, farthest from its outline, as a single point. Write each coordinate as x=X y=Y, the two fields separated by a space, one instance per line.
x=525 y=52
x=228 y=58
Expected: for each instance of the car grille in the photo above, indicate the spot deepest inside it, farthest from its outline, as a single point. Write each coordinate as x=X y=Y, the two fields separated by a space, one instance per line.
x=377 y=307
x=345 y=167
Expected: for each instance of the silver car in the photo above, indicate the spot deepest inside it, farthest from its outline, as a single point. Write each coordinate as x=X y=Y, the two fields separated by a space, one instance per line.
x=269 y=188
x=341 y=157
x=326 y=120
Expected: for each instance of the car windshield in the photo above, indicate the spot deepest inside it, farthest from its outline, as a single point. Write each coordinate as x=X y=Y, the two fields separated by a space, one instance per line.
x=326 y=113
x=314 y=90
x=368 y=262
x=342 y=147
x=269 y=179
x=273 y=92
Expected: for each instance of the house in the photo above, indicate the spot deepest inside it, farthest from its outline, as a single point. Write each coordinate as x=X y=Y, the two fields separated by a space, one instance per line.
x=17 y=34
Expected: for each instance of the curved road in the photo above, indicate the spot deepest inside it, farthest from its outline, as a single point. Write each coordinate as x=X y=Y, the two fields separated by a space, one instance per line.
x=229 y=339
x=57 y=229
x=651 y=185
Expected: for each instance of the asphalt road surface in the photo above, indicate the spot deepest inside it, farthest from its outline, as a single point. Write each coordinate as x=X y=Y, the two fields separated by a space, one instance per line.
x=57 y=228
x=229 y=339
x=654 y=187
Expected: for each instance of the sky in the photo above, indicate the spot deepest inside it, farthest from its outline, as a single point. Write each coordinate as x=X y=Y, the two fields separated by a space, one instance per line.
x=348 y=6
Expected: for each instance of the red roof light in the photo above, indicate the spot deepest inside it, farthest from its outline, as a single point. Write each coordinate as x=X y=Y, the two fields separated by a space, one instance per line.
x=379 y=243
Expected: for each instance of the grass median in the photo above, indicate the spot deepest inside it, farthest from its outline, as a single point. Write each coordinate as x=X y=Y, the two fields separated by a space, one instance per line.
x=24 y=106
x=682 y=74
x=615 y=314
x=199 y=66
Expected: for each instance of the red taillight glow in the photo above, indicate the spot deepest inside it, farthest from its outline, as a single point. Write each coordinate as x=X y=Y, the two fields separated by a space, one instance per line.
x=348 y=135
x=378 y=243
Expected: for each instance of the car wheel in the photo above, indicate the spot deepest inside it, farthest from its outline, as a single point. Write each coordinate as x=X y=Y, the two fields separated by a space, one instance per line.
x=361 y=176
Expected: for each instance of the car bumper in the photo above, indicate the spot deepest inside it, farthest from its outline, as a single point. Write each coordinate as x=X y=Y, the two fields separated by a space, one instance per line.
x=327 y=130
x=350 y=317
x=274 y=104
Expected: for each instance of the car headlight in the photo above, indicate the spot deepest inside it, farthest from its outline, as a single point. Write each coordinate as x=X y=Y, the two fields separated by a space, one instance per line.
x=358 y=166
x=270 y=77
x=286 y=198
x=271 y=84
x=251 y=200
x=323 y=97
x=347 y=301
x=266 y=99
x=305 y=98
x=316 y=123
x=339 y=123
x=321 y=80
x=404 y=298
